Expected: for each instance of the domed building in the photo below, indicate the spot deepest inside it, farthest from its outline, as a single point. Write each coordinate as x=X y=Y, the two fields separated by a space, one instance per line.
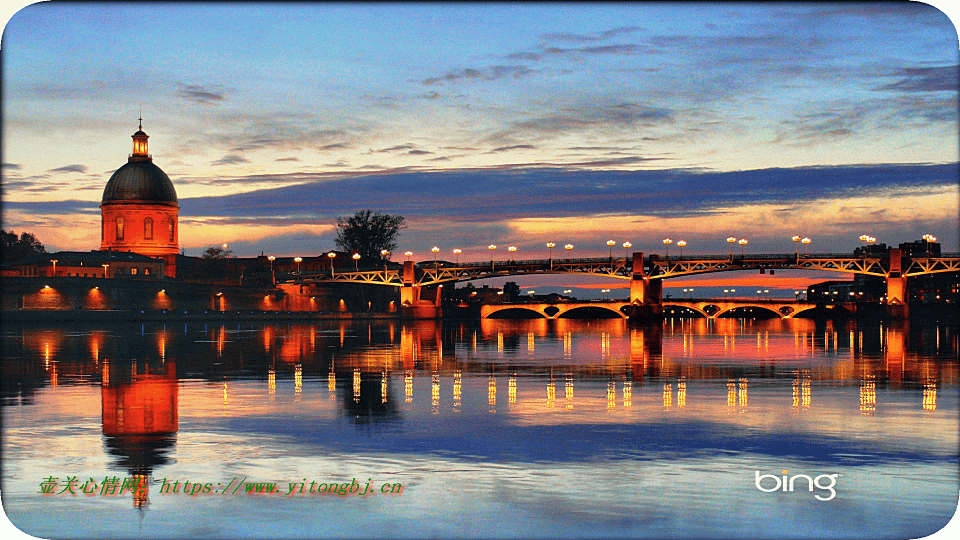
x=139 y=210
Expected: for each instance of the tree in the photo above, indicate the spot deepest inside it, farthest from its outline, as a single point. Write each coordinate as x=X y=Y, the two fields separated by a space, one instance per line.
x=217 y=253
x=18 y=248
x=369 y=233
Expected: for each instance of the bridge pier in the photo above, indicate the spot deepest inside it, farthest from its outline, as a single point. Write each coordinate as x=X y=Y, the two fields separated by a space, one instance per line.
x=898 y=308
x=646 y=295
x=411 y=304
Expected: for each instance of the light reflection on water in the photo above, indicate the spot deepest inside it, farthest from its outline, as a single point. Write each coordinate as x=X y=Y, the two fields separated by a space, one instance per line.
x=500 y=428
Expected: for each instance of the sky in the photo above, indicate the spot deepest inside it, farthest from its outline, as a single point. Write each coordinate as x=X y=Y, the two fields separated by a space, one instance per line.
x=506 y=124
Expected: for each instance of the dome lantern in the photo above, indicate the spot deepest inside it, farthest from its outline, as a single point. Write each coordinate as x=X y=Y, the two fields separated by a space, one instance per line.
x=140 y=152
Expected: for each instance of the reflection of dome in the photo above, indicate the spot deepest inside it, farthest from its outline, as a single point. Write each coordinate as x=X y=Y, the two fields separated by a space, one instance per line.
x=140 y=181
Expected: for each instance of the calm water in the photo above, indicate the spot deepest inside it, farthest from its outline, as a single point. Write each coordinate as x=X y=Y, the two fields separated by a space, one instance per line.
x=494 y=429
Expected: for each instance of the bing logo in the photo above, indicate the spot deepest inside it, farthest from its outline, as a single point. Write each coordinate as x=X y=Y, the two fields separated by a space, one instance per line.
x=824 y=482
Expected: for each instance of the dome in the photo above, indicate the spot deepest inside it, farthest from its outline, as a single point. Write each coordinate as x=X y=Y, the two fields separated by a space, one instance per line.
x=140 y=181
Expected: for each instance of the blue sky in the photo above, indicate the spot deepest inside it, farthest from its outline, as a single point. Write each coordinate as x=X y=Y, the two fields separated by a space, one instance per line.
x=505 y=124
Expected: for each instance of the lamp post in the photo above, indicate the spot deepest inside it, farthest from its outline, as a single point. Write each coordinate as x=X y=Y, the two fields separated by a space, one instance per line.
x=681 y=243
x=385 y=255
x=457 y=252
x=805 y=241
x=356 y=261
x=331 y=256
x=550 y=246
x=491 y=247
x=512 y=250
x=626 y=245
x=731 y=240
x=928 y=237
x=610 y=244
x=796 y=246
x=271 y=258
x=742 y=242
x=569 y=248
x=298 y=260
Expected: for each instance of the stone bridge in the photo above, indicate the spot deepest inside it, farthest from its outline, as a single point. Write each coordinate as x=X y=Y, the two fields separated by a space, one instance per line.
x=707 y=308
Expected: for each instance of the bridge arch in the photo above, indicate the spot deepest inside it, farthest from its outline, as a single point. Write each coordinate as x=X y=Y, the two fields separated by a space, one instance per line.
x=773 y=312
x=517 y=312
x=696 y=311
x=611 y=311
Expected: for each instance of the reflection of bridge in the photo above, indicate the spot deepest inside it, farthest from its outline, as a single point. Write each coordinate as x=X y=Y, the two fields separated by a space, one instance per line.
x=710 y=309
x=646 y=273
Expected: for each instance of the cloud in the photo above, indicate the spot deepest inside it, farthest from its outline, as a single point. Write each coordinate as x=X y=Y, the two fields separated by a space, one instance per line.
x=69 y=169
x=288 y=159
x=398 y=148
x=514 y=147
x=335 y=146
x=582 y=38
x=419 y=153
x=11 y=166
x=615 y=117
x=926 y=79
x=486 y=74
x=821 y=128
x=230 y=159
x=202 y=95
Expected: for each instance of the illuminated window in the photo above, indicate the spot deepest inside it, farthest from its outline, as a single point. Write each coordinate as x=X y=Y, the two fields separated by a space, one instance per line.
x=146 y=271
x=119 y=229
x=133 y=271
x=148 y=229
x=171 y=229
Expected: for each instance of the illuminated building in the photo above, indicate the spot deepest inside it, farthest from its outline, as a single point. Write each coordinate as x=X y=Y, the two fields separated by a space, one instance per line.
x=139 y=209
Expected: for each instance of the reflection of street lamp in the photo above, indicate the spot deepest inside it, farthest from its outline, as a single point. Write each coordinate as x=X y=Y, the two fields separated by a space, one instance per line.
x=605 y=292
x=610 y=244
x=330 y=256
x=356 y=262
x=297 y=260
x=54 y=261
x=681 y=243
x=105 y=266
x=731 y=240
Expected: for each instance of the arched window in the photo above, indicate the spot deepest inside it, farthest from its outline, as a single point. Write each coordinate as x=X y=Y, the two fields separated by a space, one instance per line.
x=119 y=229
x=148 y=229
x=172 y=229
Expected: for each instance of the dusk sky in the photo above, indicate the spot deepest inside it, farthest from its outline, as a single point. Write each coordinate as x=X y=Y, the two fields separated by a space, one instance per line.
x=491 y=124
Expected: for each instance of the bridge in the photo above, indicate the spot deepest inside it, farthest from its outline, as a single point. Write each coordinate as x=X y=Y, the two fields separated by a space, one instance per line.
x=706 y=308
x=646 y=274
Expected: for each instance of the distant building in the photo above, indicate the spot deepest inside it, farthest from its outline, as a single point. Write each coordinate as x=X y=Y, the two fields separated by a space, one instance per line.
x=139 y=209
x=93 y=264
x=830 y=291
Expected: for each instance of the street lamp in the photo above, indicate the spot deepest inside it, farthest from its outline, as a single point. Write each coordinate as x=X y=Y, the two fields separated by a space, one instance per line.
x=491 y=247
x=796 y=245
x=330 y=256
x=742 y=242
x=408 y=254
x=731 y=240
x=271 y=258
x=667 y=242
x=296 y=260
x=550 y=246
x=610 y=244
x=356 y=261
x=805 y=242
x=626 y=246
x=928 y=237
x=568 y=247
x=512 y=249
x=681 y=243
x=457 y=252
x=385 y=255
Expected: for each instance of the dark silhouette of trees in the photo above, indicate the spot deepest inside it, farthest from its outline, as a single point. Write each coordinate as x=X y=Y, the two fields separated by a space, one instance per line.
x=368 y=233
x=217 y=253
x=19 y=248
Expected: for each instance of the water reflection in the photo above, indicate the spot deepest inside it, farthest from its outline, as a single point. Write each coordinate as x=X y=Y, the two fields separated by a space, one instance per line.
x=577 y=395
